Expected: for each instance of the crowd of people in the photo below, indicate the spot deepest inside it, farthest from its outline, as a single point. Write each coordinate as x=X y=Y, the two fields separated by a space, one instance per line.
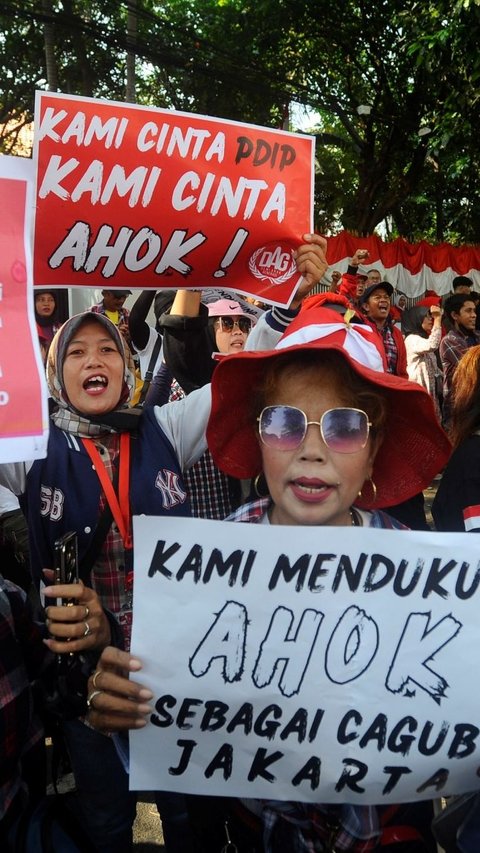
x=338 y=411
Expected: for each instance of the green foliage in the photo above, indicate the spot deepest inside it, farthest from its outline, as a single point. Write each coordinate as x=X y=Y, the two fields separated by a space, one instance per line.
x=414 y=63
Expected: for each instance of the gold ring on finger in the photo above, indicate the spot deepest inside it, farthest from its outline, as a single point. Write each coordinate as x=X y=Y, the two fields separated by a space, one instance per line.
x=88 y=630
x=87 y=612
x=90 y=699
x=94 y=678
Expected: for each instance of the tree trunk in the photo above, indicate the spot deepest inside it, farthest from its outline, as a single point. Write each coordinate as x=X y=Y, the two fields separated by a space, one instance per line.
x=49 y=43
x=130 y=96
x=78 y=41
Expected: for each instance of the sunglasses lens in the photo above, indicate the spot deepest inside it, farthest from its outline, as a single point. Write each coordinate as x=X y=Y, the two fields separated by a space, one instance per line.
x=227 y=324
x=243 y=323
x=345 y=430
x=282 y=427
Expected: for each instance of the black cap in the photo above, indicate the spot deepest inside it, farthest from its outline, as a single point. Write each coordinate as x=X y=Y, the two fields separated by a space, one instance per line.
x=369 y=290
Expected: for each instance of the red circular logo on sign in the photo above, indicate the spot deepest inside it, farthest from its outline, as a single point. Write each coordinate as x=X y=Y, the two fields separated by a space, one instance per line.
x=273 y=262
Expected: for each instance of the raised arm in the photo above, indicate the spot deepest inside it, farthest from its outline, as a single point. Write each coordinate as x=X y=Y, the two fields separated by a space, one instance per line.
x=187 y=343
x=312 y=263
x=137 y=321
x=186 y=303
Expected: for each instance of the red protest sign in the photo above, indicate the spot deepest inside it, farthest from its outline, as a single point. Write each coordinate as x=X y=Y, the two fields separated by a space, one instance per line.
x=131 y=196
x=22 y=410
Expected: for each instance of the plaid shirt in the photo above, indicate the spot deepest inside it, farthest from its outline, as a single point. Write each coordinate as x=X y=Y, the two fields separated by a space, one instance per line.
x=209 y=489
x=393 y=345
x=255 y=511
x=452 y=347
x=390 y=346
x=23 y=657
x=319 y=828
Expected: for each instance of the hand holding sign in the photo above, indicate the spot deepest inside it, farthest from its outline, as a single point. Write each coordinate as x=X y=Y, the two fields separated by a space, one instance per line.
x=118 y=703
x=311 y=263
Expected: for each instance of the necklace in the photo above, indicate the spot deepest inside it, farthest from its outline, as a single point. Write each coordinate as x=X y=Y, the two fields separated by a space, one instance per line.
x=355 y=517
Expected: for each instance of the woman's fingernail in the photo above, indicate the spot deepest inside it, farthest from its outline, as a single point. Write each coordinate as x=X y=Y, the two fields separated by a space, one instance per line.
x=144 y=693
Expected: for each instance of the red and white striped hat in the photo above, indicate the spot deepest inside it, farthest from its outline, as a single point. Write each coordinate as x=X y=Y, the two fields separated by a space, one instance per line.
x=414 y=449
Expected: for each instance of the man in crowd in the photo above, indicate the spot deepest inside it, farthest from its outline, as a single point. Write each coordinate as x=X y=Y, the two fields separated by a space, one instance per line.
x=112 y=306
x=460 y=309
x=373 y=277
x=462 y=284
x=376 y=305
x=353 y=282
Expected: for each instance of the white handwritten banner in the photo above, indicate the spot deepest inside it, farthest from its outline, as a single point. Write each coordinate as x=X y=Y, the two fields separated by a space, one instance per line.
x=132 y=196
x=23 y=390
x=312 y=664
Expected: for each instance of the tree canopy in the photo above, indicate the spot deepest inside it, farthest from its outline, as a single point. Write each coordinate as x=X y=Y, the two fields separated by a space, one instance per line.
x=393 y=86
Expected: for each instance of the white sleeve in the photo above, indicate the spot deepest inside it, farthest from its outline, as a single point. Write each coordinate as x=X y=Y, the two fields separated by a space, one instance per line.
x=184 y=422
x=13 y=475
x=415 y=344
x=269 y=329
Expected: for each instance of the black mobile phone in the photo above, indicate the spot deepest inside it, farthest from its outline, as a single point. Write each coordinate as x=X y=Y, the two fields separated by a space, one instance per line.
x=65 y=564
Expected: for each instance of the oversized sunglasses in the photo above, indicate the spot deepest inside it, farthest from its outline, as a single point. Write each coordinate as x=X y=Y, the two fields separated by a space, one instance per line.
x=228 y=324
x=342 y=430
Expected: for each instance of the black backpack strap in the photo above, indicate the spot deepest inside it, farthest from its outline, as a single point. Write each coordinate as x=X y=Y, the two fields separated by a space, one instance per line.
x=149 y=372
x=103 y=526
x=101 y=530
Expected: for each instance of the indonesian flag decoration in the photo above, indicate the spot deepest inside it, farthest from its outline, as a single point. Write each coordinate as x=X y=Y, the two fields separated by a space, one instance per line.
x=412 y=268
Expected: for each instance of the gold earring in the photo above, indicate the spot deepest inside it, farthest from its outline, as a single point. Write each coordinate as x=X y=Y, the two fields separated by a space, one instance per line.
x=260 y=486
x=374 y=489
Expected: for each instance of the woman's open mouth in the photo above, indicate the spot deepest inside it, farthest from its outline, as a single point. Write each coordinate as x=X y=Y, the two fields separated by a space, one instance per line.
x=95 y=384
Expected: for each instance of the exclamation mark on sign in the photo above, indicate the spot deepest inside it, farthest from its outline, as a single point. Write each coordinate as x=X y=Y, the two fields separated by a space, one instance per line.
x=231 y=252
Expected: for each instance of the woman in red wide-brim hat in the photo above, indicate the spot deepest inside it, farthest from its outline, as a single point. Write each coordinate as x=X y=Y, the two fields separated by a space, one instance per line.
x=380 y=428
x=336 y=438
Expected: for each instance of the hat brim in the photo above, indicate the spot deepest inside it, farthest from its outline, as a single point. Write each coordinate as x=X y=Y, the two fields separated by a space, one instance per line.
x=385 y=285
x=414 y=448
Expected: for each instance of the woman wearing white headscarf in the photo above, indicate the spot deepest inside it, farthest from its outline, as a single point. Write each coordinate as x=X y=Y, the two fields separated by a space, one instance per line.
x=105 y=462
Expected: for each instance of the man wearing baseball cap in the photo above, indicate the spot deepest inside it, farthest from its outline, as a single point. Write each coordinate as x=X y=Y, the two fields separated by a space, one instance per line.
x=376 y=304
